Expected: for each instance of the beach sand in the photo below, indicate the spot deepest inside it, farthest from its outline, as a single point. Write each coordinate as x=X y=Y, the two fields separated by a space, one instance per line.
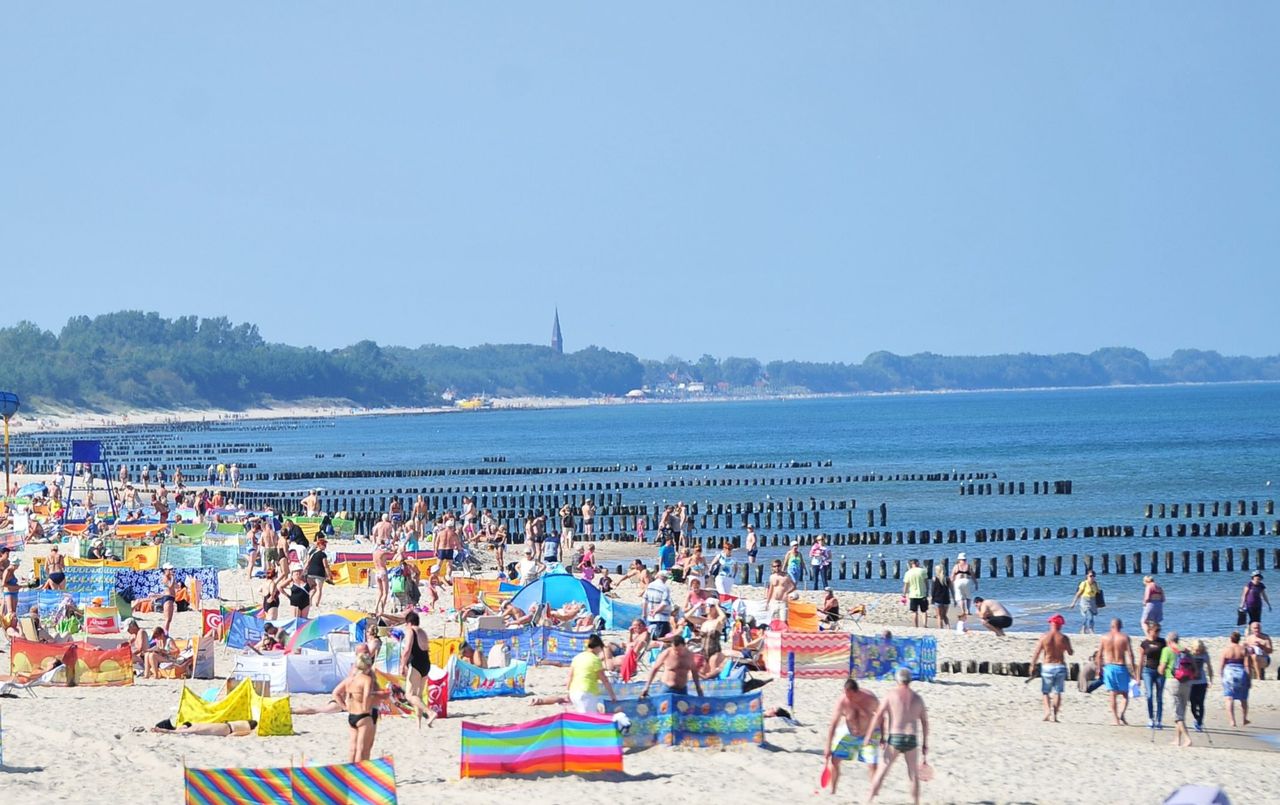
x=988 y=743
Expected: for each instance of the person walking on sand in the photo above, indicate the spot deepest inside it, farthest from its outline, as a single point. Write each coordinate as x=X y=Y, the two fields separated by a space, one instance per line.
x=1087 y=596
x=849 y=722
x=1116 y=655
x=1200 y=685
x=415 y=664
x=914 y=589
x=1235 y=679
x=781 y=586
x=1152 y=679
x=901 y=710
x=1054 y=646
x=587 y=678
x=1179 y=670
x=993 y=615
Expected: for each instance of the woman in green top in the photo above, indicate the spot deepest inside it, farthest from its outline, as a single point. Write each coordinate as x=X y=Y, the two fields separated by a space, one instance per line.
x=1087 y=595
x=1179 y=689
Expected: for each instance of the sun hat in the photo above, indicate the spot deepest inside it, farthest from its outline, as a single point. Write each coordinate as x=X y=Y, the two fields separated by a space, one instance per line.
x=961 y=555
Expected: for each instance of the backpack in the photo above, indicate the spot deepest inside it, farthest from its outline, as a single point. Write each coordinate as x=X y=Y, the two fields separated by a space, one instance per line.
x=1186 y=668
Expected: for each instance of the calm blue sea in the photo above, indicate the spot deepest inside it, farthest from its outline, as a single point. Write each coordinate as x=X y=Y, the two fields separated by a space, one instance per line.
x=1121 y=447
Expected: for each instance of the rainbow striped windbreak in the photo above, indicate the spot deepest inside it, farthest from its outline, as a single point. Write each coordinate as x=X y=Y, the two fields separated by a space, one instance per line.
x=370 y=781
x=567 y=743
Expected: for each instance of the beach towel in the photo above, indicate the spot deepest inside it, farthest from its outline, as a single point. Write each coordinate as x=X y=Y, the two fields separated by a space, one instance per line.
x=1235 y=682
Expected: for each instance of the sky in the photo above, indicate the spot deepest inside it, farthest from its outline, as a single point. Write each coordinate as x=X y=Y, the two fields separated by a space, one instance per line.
x=810 y=181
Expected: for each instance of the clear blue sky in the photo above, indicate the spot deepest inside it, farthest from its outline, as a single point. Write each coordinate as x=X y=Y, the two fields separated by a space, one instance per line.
x=809 y=180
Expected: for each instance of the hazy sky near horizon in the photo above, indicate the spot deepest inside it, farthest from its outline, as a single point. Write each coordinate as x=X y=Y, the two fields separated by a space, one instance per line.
x=777 y=180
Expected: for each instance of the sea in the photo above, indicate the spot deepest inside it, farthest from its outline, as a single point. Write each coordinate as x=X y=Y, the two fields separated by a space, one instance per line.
x=1121 y=448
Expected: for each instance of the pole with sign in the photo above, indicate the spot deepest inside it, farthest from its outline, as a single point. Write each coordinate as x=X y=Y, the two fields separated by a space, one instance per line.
x=9 y=403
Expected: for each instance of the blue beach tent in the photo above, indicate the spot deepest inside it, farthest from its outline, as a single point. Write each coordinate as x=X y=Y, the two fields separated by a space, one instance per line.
x=556 y=590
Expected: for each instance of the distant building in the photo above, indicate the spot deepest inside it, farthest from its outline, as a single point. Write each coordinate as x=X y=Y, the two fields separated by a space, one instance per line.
x=557 y=340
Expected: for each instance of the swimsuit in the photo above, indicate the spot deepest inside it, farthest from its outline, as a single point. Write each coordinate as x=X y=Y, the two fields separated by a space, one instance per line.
x=1116 y=678
x=299 y=598
x=419 y=658
x=902 y=742
x=1053 y=678
x=354 y=719
x=852 y=747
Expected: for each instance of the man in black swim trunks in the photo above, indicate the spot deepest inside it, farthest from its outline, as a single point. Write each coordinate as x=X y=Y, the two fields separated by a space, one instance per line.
x=902 y=708
x=993 y=615
x=677 y=666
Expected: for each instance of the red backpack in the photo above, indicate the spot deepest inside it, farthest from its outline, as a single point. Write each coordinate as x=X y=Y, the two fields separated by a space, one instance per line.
x=1186 y=669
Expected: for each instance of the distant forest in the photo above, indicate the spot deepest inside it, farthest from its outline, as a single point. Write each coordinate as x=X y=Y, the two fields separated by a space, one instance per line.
x=141 y=360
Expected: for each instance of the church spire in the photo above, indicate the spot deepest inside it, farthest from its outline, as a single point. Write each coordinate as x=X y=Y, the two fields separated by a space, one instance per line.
x=557 y=341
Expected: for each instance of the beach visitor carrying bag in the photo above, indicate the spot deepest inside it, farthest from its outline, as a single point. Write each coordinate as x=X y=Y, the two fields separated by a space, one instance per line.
x=1186 y=670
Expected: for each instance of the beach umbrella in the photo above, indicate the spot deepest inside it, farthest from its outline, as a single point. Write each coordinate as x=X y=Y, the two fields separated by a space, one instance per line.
x=320 y=628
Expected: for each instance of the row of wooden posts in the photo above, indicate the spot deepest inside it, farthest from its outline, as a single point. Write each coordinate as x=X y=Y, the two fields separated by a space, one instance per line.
x=1160 y=511
x=1018 y=488
x=1222 y=560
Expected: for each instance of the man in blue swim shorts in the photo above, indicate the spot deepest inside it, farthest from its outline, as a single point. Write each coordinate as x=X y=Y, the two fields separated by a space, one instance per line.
x=845 y=736
x=1053 y=645
x=1116 y=656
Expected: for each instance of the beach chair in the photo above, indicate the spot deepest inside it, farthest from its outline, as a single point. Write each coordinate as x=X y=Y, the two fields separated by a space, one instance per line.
x=25 y=683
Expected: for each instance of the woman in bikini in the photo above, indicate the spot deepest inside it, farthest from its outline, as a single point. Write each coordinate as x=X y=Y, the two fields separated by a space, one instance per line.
x=363 y=698
x=55 y=570
x=1152 y=602
x=9 y=583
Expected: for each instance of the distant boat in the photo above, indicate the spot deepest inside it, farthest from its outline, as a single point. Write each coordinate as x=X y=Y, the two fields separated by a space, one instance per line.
x=472 y=403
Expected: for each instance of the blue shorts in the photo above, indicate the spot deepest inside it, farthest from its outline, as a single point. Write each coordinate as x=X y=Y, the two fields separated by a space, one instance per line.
x=1116 y=678
x=851 y=747
x=1053 y=678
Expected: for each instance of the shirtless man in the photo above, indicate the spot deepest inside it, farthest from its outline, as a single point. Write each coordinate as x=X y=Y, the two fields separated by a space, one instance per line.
x=1258 y=650
x=901 y=709
x=677 y=666
x=419 y=511
x=1054 y=645
x=383 y=530
x=1116 y=654
x=311 y=504
x=851 y=719
x=993 y=615
x=781 y=586
x=380 y=573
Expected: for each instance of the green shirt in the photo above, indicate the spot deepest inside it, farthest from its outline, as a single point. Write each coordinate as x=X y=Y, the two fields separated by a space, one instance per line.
x=916 y=580
x=1169 y=659
x=586 y=673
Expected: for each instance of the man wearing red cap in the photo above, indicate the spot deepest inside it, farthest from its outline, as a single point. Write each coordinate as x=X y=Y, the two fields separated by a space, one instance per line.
x=1054 y=645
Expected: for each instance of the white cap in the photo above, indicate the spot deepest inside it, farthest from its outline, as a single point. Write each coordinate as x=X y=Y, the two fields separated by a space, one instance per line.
x=961 y=556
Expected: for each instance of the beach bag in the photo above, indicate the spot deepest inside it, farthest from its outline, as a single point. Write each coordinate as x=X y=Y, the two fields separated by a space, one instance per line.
x=1186 y=670
x=1099 y=601
x=1241 y=616
x=714 y=570
x=397 y=584
x=1135 y=689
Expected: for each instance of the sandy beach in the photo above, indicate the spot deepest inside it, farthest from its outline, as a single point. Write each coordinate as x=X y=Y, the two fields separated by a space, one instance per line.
x=988 y=742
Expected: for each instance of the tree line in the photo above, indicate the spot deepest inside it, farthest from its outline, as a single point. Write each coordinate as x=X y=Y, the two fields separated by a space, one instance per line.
x=142 y=360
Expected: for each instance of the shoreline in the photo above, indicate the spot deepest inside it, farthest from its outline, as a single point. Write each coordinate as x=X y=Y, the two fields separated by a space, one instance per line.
x=62 y=422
